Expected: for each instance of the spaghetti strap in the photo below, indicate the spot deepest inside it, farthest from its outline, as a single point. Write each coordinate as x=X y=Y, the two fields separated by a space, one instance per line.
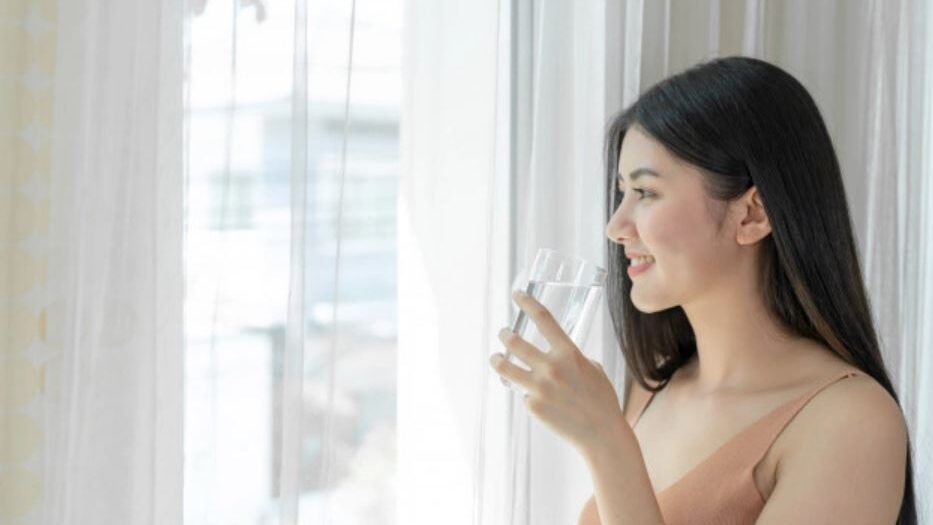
x=772 y=427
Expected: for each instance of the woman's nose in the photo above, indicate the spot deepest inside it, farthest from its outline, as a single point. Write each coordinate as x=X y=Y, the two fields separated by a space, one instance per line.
x=620 y=227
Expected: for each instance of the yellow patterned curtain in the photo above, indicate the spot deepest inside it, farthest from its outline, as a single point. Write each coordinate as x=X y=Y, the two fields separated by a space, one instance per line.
x=27 y=62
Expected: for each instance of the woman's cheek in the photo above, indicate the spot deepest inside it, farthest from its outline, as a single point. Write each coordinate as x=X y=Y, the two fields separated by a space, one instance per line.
x=659 y=232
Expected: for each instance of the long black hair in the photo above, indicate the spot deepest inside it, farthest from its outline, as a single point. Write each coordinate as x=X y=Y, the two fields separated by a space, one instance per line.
x=742 y=122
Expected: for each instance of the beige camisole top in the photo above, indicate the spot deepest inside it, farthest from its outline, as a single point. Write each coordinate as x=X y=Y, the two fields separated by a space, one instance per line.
x=721 y=490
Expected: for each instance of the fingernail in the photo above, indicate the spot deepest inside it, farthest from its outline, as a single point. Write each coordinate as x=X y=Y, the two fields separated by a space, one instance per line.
x=518 y=294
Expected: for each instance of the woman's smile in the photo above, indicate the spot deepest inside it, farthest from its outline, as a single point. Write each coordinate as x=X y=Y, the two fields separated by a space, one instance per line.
x=639 y=269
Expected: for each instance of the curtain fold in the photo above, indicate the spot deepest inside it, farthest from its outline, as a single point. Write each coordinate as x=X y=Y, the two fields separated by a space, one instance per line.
x=517 y=126
x=448 y=154
x=898 y=228
x=112 y=411
x=293 y=359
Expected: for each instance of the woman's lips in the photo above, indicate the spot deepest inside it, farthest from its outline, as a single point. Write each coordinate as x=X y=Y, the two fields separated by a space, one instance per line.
x=638 y=270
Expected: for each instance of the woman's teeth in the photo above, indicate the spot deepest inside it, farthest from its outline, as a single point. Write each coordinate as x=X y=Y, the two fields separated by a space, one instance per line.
x=638 y=261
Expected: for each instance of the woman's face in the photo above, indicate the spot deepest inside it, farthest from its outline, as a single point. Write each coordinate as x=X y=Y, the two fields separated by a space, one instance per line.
x=670 y=217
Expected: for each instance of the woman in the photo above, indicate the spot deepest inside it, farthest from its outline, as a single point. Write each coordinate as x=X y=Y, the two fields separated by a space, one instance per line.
x=759 y=392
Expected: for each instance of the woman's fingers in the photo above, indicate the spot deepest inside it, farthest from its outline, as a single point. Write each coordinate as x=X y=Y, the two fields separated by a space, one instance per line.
x=522 y=349
x=511 y=372
x=545 y=323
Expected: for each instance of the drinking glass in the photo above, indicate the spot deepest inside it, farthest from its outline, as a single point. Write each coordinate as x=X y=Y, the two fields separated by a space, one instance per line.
x=569 y=287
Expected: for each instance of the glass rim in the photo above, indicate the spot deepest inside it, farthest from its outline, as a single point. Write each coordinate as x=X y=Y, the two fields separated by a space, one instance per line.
x=599 y=269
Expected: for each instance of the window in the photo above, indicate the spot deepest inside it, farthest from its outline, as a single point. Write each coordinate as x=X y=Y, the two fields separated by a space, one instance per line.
x=238 y=248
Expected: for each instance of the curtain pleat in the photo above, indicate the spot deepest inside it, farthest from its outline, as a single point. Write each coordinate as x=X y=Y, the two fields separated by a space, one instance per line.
x=112 y=414
x=293 y=370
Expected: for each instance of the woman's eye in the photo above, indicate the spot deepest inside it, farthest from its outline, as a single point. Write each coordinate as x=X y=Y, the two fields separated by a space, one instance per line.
x=643 y=193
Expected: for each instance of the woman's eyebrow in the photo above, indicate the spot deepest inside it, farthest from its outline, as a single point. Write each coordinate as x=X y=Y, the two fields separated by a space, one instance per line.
x=638 y=172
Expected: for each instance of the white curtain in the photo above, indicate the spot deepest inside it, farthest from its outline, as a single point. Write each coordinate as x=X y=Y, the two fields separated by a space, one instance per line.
x=506 y=105
x=220 y=259
x=112 y=351
x=502 y=127
x=292 y=113
x=453 y=242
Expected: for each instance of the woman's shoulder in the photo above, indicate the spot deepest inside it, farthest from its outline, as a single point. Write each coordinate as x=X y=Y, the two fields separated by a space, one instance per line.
x=855 y=405
x=849 y=438
x=857 y=397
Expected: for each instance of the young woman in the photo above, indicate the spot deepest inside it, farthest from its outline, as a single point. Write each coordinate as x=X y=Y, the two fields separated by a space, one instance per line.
x=756 y=389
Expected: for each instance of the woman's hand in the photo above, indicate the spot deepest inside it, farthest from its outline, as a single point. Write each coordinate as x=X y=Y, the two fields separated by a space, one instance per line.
x=564 y=389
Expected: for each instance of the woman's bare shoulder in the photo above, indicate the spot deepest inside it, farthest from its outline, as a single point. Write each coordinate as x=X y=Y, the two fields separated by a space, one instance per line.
x=844 y=404
x=847 y=443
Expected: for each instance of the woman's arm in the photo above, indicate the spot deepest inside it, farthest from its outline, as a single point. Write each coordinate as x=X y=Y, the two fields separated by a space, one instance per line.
x=621 y=486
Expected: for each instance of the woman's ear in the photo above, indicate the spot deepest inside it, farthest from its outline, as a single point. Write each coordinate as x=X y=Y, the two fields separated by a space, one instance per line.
x=753 y=224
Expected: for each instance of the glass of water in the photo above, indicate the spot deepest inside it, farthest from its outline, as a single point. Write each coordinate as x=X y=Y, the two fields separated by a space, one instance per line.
x=569 y=287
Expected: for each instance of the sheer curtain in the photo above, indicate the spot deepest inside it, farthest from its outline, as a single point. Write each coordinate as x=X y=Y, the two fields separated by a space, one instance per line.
x=201 y=236
x=503 y=115
x=292 y=118
x=502 y=128
x=91 y=418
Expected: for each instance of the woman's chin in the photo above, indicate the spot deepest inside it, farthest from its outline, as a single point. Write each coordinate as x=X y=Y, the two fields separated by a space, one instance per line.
x=647 y=305
x=643 y=307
